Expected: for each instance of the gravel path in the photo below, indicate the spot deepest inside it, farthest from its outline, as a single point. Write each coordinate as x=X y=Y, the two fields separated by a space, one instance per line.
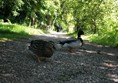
x=91 y=63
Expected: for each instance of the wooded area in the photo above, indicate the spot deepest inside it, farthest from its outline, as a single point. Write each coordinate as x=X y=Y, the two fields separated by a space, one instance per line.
x=41 y=42
x=93 y=16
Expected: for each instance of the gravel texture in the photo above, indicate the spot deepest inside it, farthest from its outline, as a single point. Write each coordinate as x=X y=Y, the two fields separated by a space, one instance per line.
x=91 y=63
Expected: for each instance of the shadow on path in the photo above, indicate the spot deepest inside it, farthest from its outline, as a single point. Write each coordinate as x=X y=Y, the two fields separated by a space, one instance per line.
x=91 y=63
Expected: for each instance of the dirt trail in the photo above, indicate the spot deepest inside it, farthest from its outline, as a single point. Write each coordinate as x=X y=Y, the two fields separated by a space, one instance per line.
x=91 y=63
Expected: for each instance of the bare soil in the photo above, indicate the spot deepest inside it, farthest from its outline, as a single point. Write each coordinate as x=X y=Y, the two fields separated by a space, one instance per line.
x=90 y=63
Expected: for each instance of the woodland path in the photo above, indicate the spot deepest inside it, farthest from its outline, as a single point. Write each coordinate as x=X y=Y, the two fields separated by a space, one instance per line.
x=91 y=63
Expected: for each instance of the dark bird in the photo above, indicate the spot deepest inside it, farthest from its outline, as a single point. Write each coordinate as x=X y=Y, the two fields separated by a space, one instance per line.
x=71 y=44
x=42 y=49
x=45 y=49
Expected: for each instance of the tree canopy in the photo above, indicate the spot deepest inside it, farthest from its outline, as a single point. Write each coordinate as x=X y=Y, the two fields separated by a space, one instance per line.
x=91 y=15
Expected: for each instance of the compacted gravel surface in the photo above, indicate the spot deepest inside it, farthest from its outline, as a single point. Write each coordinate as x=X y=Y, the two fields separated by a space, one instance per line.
x=90 y=63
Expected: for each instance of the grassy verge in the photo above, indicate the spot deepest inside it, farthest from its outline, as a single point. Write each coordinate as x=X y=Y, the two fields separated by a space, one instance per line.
x=15 y=31
x=109 y=38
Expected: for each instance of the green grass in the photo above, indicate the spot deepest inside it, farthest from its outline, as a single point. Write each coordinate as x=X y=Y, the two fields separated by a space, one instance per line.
x=107 y=37
x=15 y=31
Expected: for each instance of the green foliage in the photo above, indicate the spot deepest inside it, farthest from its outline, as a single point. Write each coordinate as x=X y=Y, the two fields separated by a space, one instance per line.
x=15 y=31
x=93 y=16
x=106 y=36
x=10 y=7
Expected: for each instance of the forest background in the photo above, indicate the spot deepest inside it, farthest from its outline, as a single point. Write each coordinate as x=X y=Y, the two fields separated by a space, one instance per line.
x=97 y=18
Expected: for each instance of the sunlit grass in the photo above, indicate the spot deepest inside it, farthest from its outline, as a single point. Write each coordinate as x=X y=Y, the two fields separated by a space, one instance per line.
x=106 y=37
x=110 y=39
x=15 y=31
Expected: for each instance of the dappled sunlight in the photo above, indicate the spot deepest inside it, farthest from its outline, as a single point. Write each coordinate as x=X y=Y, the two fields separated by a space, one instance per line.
x=111 y=54
x=110 y=65
x=98 y=52
x=84 y=62
x=15 y=31
x=75 y=53
x=100 y=46
x=5 y=39
x=90 y=51
x=78 y=52
x=113 y=77
x=96 y=45
x=99 y=49
x=109 y=61
x=58 y=23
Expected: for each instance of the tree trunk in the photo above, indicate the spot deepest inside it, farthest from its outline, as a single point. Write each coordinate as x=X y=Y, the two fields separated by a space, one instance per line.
x=94 y=27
